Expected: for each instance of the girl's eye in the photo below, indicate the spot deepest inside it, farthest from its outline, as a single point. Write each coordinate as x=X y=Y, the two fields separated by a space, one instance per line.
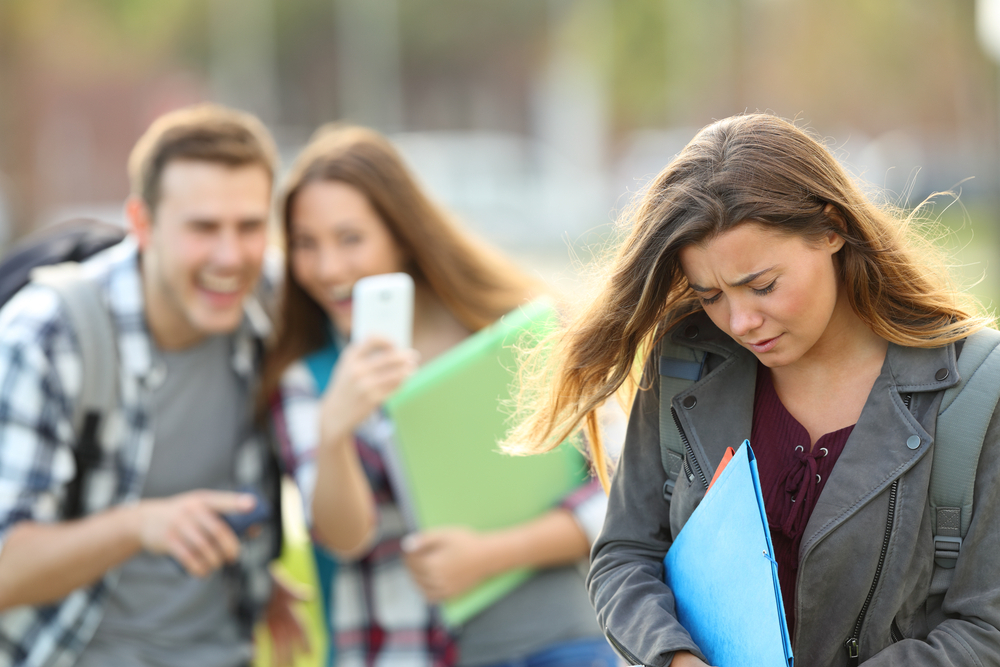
x=709 y=300
x=765 y=290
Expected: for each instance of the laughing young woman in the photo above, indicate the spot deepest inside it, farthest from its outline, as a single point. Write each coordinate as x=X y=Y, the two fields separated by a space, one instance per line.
x=829 y=340
x=351 y=209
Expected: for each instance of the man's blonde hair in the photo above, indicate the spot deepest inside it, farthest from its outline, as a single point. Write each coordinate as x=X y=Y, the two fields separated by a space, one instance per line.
x=202 y=133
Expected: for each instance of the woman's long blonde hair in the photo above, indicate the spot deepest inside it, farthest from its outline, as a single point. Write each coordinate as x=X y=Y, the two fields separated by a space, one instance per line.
x=754 y=167
x=474 y=282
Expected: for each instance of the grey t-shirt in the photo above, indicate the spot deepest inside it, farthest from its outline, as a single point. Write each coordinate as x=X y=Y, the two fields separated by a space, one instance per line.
x=158 y=615
x=550 y=607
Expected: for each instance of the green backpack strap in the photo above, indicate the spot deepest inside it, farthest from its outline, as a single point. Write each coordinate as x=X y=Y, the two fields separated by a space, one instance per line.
x=965 y=413
x=679 y=368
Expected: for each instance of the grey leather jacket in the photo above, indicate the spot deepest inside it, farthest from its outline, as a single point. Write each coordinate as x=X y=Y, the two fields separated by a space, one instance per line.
x=917 y=615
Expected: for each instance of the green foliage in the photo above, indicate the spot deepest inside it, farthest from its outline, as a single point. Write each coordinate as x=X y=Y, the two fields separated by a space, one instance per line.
x=639 y=62
x=93 y=35
x=971 y=236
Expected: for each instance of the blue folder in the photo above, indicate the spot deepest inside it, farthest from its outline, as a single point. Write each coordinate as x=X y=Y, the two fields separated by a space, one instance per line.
x=723 y=575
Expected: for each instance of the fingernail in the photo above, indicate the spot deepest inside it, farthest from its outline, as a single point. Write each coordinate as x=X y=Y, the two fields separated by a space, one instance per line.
x=409 y=542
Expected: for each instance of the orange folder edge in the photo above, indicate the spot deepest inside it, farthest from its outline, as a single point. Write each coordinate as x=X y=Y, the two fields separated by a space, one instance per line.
x=726 y=458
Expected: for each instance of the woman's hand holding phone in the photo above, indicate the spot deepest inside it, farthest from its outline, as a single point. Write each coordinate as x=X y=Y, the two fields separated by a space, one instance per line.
x=343 y=509
x=368 y=371
x=366 y=374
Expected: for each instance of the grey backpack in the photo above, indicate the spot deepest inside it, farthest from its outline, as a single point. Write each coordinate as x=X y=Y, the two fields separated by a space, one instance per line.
x=95 y=331
x=91 y=321
x=964 y=415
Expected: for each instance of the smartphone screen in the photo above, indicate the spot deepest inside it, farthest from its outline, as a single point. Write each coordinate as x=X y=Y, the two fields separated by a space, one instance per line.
x=383 y=305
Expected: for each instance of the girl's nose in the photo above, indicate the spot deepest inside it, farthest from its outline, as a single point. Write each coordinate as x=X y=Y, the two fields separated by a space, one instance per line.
x=742 y=318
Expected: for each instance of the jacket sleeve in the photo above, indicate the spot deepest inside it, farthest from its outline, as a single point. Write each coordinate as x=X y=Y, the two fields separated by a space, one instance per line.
x=970 y=633
x=634 y=607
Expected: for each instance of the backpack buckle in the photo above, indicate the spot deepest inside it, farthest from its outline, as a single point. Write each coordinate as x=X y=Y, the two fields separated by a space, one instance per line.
x=947 y=547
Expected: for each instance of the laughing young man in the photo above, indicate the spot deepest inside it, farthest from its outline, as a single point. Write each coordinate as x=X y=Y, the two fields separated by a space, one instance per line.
x=151 y=575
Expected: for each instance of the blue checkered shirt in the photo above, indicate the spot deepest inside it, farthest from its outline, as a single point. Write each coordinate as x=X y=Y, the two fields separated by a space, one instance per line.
x=40 y=380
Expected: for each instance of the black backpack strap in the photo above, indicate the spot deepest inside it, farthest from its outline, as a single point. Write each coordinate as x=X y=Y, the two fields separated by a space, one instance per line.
x=276 y=473
x=679 y=368
x=95 y=333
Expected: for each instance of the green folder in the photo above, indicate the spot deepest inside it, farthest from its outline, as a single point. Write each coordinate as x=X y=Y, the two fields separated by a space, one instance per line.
x=446 y=462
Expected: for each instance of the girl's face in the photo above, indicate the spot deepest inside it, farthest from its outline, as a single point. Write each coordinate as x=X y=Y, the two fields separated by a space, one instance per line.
x=336 y=238
x=774 y=294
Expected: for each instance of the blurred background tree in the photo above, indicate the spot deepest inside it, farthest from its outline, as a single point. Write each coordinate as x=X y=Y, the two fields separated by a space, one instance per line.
x=535 y=119
x=594 y=92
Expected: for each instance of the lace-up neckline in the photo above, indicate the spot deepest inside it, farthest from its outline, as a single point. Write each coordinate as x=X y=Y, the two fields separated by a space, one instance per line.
x=792 y=477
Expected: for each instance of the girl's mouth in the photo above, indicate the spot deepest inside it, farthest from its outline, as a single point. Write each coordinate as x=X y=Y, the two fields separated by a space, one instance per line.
x=760 y=347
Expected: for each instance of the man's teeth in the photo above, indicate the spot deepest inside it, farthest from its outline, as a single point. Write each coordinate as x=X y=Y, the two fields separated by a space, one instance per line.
x=341 y=293
x=218 y=284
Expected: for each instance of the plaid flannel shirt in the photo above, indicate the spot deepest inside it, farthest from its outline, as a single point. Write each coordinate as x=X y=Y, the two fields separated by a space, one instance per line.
x=40 y=379
x=380 y=617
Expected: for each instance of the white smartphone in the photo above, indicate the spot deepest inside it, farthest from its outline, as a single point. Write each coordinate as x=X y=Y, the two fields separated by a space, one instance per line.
x=383 y=305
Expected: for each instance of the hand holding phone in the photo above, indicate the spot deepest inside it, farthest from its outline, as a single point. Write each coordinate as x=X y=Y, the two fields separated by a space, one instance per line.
x=240 y=523
x=165 y=515
x=382 y=305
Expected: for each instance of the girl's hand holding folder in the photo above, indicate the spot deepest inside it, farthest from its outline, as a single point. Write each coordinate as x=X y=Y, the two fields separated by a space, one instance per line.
x=446 y=562
x=685 y=659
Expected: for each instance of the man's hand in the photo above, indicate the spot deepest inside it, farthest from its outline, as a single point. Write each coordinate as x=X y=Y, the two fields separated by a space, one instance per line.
x=188 y=527
x=446 y=562
x=285 y=626
x=44 y=562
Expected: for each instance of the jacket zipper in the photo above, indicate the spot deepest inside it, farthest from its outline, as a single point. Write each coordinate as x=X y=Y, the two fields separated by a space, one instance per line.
x=895 y=633
x=689 y=450
x=853 y=645
x=622 y=651
x=687 y=470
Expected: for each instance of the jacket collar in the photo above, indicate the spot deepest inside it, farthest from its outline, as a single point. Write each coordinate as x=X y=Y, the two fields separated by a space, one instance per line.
x=117 y=270
x=717 y=412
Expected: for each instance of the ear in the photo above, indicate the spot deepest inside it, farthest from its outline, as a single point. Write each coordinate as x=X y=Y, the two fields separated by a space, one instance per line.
x=140 y=221
x=833 y=213
x=833 y=241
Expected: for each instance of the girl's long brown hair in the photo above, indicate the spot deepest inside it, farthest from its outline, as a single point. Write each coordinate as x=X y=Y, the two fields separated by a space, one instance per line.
x=753 y=167
x=474 y=282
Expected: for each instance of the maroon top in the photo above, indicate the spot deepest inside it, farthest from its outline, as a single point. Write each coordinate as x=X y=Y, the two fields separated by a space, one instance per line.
x=791 y=478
